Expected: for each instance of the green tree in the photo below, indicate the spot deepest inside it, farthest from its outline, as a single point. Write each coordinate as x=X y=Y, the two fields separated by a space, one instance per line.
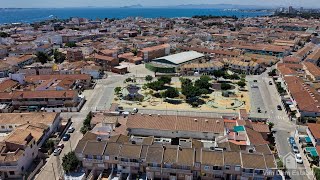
x=71 y=44
x=225 y=86
x=134 y=51
x=185 y=82
x=316 y=172
x=204 y=91
x=156 y=85
x=203 y=82
x=70 y=162
x=86 y=126
x=218 y=73
x=129 y=79
x=241 y=84
x=59 y=57
x=191 y=91
x=149 y=78
x=171 y=93
x=165 y=79
x=42 y=57
x=117 y=90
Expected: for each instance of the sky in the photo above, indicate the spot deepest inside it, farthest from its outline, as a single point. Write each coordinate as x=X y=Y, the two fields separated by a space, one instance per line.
x=119 y=3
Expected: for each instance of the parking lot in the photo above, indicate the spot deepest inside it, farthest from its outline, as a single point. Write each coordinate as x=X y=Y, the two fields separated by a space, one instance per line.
x=255 y=97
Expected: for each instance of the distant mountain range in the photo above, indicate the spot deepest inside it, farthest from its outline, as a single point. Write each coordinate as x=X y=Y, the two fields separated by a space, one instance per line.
x=202 y=6
x=133 y=6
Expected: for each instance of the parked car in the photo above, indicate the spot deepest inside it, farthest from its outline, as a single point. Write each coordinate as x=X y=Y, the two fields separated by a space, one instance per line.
x=66 y=137
x=291 y=141
x=259 y=110
x=135 y=110
x=255 y=80
x=295 y=148
x=299 y=159
x=60 y=145
x=71 y=129
x=57 y=152
x=279 y=108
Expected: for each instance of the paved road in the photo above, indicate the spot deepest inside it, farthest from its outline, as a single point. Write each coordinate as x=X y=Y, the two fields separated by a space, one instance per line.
x=283 y=127
x=99 y=98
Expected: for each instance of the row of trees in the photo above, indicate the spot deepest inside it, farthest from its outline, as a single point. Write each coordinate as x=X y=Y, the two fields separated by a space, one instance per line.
x=225 y=75
x=43 y=58
x=86 y=126
x=199 y=87
x=160 y=83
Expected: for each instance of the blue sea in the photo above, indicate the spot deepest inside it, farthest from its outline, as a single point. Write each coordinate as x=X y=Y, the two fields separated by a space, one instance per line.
x=35 y=15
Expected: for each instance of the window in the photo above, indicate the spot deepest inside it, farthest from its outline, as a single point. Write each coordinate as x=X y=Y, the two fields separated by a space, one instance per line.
x=237 y=168
x=258 y=171
x=2 y=127
x=227 y=167
x=207 y=168
x=31 y=146
x=197 y=165
x=22 y=168
x=32 y=154
x=217 y=168
x=11 y=172
x=10 y=127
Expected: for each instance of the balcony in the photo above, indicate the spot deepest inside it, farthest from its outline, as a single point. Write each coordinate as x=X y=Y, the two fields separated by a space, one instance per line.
x=172 y=170
x=8 y=168
x=92 y=160
x=153 y=169
x=122 y=163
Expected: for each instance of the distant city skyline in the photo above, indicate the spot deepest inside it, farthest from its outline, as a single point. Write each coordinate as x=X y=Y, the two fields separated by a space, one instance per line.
x=148 y=3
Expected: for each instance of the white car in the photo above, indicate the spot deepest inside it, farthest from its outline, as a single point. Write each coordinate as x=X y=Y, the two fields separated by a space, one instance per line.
x=298 y=159
x=71 y=129
x=135 y=110
x=295 y=148
x=57 y=152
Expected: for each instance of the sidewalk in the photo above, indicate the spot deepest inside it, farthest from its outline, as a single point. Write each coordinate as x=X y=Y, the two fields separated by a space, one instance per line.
x=306 y=163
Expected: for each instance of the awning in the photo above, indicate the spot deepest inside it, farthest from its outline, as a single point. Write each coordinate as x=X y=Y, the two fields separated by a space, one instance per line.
x=312 y=151
x=308 y=139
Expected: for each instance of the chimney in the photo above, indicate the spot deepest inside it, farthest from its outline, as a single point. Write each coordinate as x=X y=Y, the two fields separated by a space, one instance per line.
x=206 y=120
x=195 y=120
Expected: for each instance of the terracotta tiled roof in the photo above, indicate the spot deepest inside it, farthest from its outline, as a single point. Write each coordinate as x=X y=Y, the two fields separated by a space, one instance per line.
x=130 y=151
x=312 y=68
x=33 y=78
x=155 y=154
x=255 y=138
x=232 y=158
x=214 y=158
x=250 y=160
x=186 y=157
x=314 y=129
x=182 y=123
x=5 y=85
x=43 y=94
x=261 y=127
x=94 y=148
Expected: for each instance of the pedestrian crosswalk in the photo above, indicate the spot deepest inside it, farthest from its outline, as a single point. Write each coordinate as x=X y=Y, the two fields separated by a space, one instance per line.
x=278 y=117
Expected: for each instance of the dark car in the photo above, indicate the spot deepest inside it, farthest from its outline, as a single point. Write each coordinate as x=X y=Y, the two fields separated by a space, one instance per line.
x=270 y=83
x=66 y=137
x=279 y=107
x=255 y=80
